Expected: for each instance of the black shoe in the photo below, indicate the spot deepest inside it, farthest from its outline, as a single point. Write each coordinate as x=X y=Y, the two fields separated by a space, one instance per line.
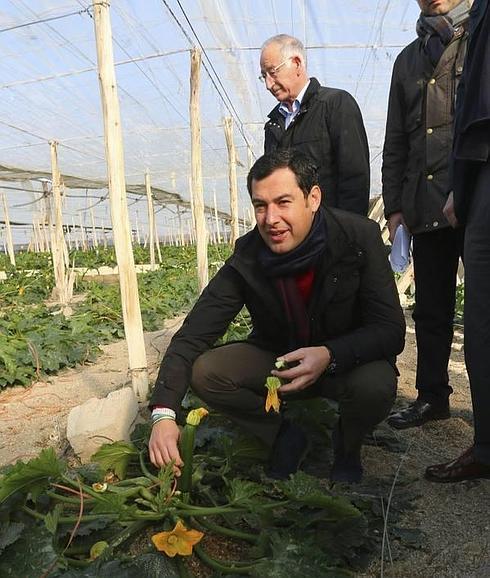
x=288 y=452
x=347 y=468
x=418 y=413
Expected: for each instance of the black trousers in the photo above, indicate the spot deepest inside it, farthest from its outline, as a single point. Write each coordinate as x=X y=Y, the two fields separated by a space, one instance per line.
x=435 y=260
x=477 y=309
x=231 y=380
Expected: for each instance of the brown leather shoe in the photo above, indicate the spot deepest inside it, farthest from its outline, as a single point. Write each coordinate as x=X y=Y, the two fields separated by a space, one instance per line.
x=466 y=467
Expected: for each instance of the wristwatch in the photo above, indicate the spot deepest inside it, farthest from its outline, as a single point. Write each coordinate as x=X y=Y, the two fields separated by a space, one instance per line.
x=332 y=366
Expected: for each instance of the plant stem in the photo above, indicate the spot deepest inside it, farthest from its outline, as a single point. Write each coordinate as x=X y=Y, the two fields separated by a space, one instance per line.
x=127 y=533
x=69 y=519
x=64 y=499
x=220 y=566
x=187 y=510
x=146 y=471
x=252 y=538
x=77 y=563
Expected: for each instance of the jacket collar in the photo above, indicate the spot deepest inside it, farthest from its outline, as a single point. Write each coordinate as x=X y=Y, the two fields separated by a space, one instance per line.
x=312 y=89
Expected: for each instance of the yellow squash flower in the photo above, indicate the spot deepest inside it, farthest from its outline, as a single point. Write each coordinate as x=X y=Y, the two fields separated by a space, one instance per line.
x=195 y=416
x=180 y=540
x=272 y=401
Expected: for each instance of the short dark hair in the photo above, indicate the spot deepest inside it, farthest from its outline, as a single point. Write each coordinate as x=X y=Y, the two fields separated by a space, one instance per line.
x=305 y=171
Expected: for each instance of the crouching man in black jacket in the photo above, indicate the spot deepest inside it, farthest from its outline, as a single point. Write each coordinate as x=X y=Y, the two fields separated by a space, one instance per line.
x=321 y=296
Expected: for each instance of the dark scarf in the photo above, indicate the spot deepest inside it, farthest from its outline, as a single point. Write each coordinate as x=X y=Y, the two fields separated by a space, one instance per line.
x=283 y=268
x=438 y=31
x=301 y=258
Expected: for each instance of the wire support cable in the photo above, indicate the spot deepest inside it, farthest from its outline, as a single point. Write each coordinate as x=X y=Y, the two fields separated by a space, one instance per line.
x=229 y=105
x=43 y=20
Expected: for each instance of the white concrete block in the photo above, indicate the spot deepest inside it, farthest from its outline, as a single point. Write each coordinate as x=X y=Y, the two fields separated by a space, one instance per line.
x=101 y=421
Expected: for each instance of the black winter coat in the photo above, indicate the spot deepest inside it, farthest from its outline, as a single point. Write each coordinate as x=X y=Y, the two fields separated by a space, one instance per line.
x=419 y=131
x=328 y=129
x=354 y=307
x=472 y=130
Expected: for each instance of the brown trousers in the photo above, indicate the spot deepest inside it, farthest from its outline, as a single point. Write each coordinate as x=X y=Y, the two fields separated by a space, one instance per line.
x=231 y=379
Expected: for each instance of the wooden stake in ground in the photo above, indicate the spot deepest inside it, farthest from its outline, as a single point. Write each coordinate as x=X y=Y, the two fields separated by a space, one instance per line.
x=83 y=237
x=232 y=178
x=46 y=215
x=58 y=245
x=196 y=172
x=8 y=232
x=216 y=219
x=133 y=325
x=151 y=219
x=95 y=241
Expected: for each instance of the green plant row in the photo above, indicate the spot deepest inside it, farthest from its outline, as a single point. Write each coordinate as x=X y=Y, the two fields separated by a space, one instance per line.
x=37 y=339
x=120 y=516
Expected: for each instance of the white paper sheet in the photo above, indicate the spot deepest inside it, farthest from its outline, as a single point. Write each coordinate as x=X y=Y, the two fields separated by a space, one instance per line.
x=400 y=251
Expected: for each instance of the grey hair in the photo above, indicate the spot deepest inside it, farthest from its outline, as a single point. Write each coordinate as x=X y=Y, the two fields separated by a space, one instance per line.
x=289 y=46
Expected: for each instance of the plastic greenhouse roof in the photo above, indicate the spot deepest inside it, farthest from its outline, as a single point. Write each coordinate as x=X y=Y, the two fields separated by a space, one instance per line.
x=49 y=88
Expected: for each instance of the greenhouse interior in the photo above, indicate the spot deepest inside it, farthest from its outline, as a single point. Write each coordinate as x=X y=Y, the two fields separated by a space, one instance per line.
x=127 y=131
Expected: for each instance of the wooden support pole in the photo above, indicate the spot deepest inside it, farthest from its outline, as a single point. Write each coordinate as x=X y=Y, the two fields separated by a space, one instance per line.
x=232 y=179
x=196 y=172
x=137 y=227
x=82 y=235
x=58 y=246
x=151 y=219
x=181 y=227
x=46 y=215
x=39 y=236
x=33 y=246
x=157 y=242
x=8 y=232
x=95 y=241
x=74 y=233
x=133 y=325
x=104 y=234
x=216 y=219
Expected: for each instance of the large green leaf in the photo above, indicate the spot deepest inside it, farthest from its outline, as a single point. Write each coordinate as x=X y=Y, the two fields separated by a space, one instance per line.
x=296 y=559
x=29 y=556
x=52 y=519
x=9 y=533
x=242 y=492
x=116 y=457
x=109 y=504
x=33 y=476
x=307 y=490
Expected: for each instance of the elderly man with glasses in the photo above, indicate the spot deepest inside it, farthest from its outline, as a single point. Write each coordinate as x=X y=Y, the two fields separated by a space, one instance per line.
x=323 y=123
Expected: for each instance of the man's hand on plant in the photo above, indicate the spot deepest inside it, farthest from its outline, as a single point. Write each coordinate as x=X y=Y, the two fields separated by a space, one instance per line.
x=163 y=445
x=311 y=363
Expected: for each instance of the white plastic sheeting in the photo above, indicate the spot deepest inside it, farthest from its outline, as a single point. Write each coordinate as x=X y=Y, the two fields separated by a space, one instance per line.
x=49 y=88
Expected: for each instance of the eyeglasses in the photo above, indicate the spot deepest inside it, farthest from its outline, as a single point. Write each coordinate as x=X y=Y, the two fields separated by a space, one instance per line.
x=272 y=72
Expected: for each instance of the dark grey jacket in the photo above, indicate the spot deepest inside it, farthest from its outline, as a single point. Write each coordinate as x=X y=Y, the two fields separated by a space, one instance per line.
x=329 y=129
x=419 y=131
x=354 y=308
